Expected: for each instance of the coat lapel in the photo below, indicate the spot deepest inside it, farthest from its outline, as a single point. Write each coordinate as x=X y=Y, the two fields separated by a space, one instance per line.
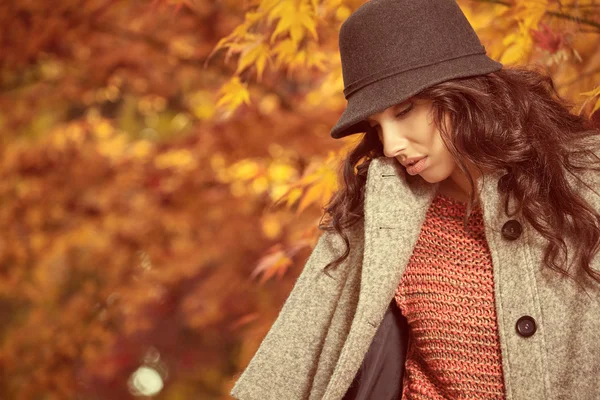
x=395 y=207
x=394 y=212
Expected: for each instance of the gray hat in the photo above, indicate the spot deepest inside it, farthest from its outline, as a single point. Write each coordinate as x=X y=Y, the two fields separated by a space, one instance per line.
x=393 y=49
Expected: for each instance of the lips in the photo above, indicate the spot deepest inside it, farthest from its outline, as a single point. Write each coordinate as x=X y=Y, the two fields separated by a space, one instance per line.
x=418 y=167
x=413 y=160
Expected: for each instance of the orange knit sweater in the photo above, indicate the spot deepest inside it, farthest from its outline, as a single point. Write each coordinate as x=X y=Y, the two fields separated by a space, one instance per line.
x=447 y=296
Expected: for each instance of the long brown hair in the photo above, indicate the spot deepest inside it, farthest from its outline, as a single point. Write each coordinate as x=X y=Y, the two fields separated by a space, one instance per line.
x=512 y=120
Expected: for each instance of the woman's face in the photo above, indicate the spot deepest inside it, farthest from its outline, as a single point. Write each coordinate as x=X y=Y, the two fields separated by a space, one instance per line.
x=406 y=130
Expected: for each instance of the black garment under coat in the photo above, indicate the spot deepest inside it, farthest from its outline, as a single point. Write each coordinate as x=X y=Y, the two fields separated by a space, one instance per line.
x=382 y=370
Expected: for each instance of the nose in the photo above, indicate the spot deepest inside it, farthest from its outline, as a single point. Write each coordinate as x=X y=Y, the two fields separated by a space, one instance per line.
x=393 y=143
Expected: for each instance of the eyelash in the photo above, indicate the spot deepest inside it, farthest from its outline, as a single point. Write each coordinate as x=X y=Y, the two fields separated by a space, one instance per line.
x=397 y=115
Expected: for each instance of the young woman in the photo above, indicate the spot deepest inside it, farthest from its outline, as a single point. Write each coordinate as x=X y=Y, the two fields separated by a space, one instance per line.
x=460 y=260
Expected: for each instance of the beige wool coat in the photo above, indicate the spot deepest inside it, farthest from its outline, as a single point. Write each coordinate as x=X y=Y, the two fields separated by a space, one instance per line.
x=317 y=343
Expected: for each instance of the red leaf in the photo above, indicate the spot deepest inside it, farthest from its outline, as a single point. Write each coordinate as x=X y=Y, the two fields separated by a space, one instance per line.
x=546 y=39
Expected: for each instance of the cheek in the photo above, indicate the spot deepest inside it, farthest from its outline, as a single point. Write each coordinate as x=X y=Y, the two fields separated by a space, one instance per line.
x=446 y=161
x=441 y=152
x=441 y=166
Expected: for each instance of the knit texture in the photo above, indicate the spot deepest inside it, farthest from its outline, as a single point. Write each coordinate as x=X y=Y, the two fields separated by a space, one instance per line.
x=447 y=295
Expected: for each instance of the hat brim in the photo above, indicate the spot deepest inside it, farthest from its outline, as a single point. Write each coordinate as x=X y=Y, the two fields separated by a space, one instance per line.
x=397 y=88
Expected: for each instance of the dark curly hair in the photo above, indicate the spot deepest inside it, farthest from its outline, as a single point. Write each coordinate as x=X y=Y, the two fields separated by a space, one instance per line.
x=513 y=121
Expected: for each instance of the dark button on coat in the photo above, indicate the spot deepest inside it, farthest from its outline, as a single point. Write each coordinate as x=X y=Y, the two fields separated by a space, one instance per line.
x=512 y=229
x=526 y=326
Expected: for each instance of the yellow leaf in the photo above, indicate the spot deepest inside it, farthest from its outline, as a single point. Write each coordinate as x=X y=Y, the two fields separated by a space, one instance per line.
x=279 y=172
x=182 y=47
x=592 y=93
x=256 y=53
x=267 y=5
x=509 y=39
x=271 y=226
x=233 y=94
x=309 y=178
x=313 y=194
x=293 y=19
x=285 y=51
x=342 y=13
x=315 y=5
x=241 y=31
x=293 y=196
x=260 y=64
x=287 y=193
x=204 y=110
x=308 y=20
x=330 y=185
x=113 y=148
x=512 y=55
x=275 y=263
x=141 y=149
x=179 y=159
x=597 y=106
x=245 y=170
x=300 y=58
x=103 y=130
x=260 y=185
x=531 y=12
x=323 y=183
x=202 y=105
x=518 y=47
x=317 y=59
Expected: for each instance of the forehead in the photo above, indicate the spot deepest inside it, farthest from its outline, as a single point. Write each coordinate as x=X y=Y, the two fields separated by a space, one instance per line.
x=392 y=107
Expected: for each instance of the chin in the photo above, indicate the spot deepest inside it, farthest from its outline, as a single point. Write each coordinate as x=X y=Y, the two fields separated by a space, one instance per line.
x=431 y=177
x=431 y=180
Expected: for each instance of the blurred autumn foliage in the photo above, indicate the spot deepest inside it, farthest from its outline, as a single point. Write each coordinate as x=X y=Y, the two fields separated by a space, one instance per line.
x=164 y=164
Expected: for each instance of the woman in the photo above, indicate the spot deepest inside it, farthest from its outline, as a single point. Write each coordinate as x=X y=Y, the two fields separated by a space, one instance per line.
x=459 y=261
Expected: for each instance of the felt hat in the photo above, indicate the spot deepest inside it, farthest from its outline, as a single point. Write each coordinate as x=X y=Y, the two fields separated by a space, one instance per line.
x=393 y=49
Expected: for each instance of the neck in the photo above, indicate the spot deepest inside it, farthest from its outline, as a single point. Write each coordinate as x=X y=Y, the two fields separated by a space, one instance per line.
x=457 y=186
x=450 y=189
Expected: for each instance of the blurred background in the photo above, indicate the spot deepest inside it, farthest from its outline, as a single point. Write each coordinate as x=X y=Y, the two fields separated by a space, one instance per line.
x=163 y=168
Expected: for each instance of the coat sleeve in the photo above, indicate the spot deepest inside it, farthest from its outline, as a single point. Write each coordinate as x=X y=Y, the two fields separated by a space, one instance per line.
x=283 y=367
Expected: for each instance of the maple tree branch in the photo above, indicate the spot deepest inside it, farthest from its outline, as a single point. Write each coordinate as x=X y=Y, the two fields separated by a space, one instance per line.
x=556 y=14
x=494 y=2
x=580 y=6
x=576 y=19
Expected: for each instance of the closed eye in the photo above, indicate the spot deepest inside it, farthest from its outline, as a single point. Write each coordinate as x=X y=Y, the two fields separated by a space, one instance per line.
x=400 y=114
